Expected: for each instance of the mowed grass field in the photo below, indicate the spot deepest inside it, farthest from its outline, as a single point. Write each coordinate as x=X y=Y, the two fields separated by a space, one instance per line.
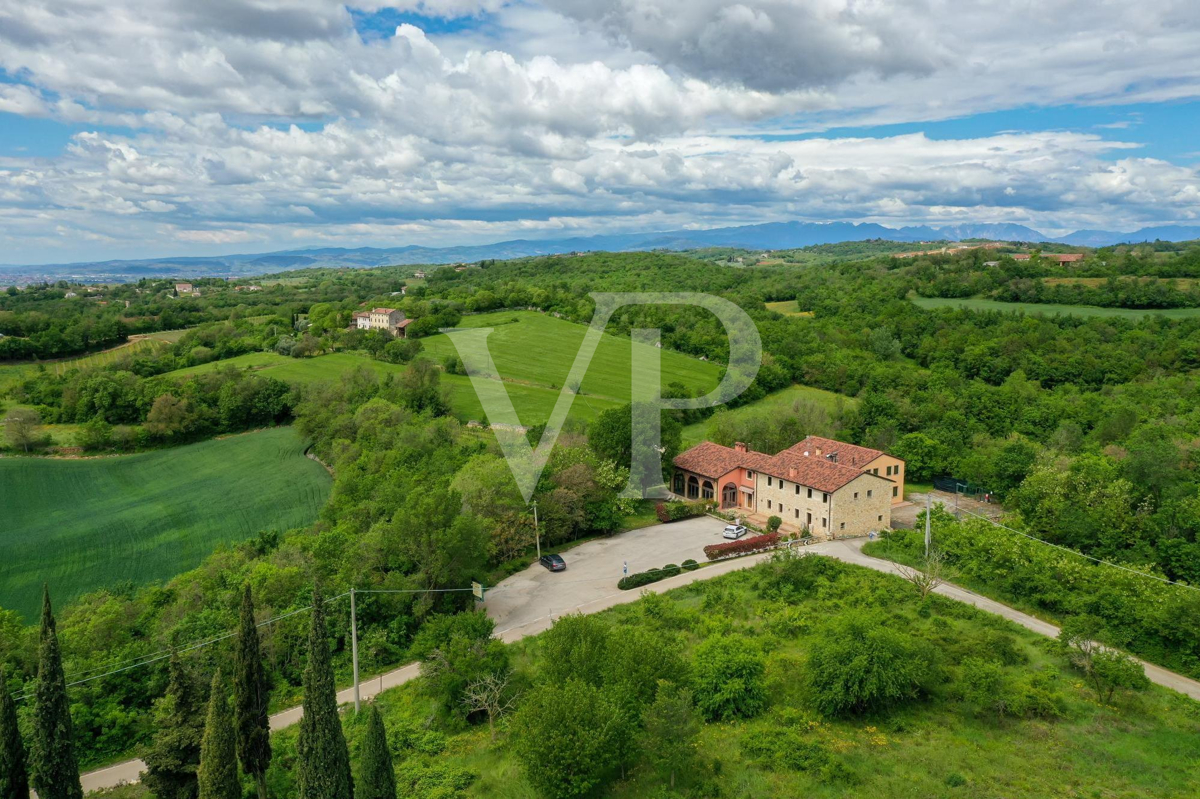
x=1049 y=309
x=85 y=524
x=533 y=356
x=787 y=308
x=780 y=402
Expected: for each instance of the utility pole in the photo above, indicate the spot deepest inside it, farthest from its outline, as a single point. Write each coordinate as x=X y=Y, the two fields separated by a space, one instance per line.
x=536 y=535
x=928 y=525
x=354 y=649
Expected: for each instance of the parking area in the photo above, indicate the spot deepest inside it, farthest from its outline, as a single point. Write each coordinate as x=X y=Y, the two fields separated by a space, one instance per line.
x=594 y=568
x=905 y=516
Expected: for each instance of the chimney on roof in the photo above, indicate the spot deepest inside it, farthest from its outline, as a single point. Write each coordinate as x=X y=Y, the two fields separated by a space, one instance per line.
x=806 y=453
x=791 y=474
x=818 y=450
x=739 y=446
x=831 y=457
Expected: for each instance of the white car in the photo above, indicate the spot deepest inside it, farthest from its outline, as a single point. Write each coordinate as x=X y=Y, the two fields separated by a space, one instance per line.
x=734 y=531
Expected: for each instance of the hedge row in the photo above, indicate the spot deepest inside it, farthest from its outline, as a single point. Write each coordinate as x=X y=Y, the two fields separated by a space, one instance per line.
x=638 y=579
x=755 y=543
x=674 y=511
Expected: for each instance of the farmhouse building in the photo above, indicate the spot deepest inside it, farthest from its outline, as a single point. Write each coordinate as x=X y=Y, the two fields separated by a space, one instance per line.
x=389 y=319
x=183 y=288
x=827 y=487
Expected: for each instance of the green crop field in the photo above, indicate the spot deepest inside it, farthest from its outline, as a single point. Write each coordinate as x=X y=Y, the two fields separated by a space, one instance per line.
x=779 y=402
x=84 y=524
x=1049 y=309
x=533 y=356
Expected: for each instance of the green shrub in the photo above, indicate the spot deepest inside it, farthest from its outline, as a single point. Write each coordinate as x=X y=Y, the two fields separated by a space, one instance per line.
x=857 y=664
x=730 y=678
x=690 y=565
x=670 y=570
x=568 y=738
x=773 y=524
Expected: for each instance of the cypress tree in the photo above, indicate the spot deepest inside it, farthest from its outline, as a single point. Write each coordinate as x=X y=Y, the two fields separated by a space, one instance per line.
x=172 y=760
x=52 y=764
x=251 y=694
x=14 y=781
x=217 y=776
x=376 y=775
x=323 y=767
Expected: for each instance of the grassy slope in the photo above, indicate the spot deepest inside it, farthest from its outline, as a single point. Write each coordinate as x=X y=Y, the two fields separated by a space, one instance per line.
x=779 y=402
x=88 y=523
x=533 y=356
x=539 y=349
x=1050 y=309
x=1145 y=745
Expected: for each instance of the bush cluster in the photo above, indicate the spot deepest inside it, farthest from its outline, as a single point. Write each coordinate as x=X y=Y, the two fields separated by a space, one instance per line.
x=638 y=579
x=755 y=543
x=674 y=511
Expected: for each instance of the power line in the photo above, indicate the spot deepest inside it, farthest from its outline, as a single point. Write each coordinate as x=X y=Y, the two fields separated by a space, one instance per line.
x=1080 y=554
x=154 y=657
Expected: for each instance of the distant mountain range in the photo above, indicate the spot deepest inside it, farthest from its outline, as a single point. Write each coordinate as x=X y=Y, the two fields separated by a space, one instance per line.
x=771 y=236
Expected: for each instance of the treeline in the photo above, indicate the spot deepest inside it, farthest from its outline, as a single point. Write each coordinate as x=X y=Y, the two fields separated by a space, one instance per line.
x=1130 y=610
x=39 y=322
x=1115 y=277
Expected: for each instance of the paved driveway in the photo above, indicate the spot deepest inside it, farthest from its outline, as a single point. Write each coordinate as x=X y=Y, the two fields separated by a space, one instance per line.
x=594 y=568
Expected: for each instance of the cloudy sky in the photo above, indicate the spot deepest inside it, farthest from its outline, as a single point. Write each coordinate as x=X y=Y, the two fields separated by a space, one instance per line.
x=135 y=128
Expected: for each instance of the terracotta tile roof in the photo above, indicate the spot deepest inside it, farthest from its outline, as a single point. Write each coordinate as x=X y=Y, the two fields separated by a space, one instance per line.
x=361 y=314
x=813 y=471
x=847 y=454
x=710 y=460
x=383 y=310
x=404 y=323
x=816 y=473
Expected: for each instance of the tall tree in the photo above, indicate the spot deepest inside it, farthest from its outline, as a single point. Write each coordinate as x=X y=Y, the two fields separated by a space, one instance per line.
x=251 y=695
x=172 y=761
x=217 y=775
x=52 y=764
x=14 y=780
x=376 y=775
x=323 y=768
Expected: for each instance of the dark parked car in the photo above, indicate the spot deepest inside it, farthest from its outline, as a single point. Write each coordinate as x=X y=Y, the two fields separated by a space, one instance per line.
x=554 y=563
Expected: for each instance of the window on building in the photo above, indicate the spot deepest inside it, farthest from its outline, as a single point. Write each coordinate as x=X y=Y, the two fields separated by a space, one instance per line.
x=888 y=471
x=707 y=491
x=768 y=481
x=797 y=489
x=810 y=493
x=824 y=497
x=881 y=517
x=869 y=492
x=874 y=471
x=895 y=489
x=749 y=474
x=797 y=513
x=843 y=527
x=856 y=495
x=768 y=504
x=824 y=522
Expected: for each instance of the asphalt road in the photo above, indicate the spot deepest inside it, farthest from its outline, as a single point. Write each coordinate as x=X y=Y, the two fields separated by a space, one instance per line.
x=526 y=603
